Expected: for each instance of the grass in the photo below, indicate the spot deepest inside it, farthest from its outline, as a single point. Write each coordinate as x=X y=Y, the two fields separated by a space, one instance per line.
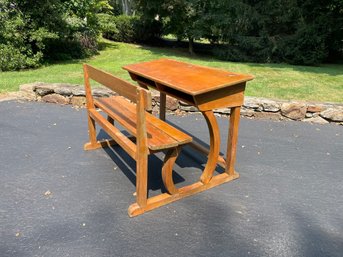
x=279 y=81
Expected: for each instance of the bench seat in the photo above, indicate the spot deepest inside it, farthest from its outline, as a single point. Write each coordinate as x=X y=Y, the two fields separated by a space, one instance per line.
x=160 y=134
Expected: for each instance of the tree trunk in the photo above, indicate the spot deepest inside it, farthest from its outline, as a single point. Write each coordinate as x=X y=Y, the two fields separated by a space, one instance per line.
x=126 y=5
x=190 y=45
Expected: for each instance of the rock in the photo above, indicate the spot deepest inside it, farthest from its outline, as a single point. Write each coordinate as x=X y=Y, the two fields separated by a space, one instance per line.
x=65 y=90
x=308 y=115
x=43 y=89
x=178 y=112
x=79 y=101
x=270 y=106
x=251 y=103
x=183 y=103
x=171 y=103
x=316 y=107
x=29 y=88
x=9 y=96
x=27 y=91
x=78 y=91
x=317 y=120
x=294 y=110
x=268 y=115
x=154 y=92
x=247 y=112
x=223 y=110
x=55 y=98
x=189 y=108
x=334 y=114
x=155 y=110
x=102 y=92
x=155 y=99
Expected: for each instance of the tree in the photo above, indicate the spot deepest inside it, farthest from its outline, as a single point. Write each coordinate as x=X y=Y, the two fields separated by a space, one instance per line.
x=294 y=31
x=180 y=18
x=34 y=31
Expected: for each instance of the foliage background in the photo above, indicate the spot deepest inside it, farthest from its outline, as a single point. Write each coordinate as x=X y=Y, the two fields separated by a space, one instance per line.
x=305 y=32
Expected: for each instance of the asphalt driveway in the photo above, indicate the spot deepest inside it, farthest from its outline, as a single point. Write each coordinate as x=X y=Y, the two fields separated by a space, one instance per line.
x=58 y=200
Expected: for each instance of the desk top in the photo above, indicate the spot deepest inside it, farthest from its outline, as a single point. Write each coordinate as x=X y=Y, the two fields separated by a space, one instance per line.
x=185 y=77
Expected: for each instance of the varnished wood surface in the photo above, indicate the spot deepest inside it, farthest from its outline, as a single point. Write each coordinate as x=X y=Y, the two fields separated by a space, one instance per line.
x=151 y=134
x=207 y=89
x=188 y=78
x=118 y=85
x=160 y=135
x=213 y=155
x=232 y=140
x=163 y=199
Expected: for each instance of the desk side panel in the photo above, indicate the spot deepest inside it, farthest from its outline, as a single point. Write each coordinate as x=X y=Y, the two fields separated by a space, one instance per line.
x=224 y=97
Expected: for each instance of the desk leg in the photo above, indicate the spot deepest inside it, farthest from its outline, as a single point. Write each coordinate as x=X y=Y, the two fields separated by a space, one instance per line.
x=163 y=99
x=214 y=147
x=232 y=140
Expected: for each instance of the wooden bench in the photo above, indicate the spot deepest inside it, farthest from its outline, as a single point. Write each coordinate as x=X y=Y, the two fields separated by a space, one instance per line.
x=148 y=133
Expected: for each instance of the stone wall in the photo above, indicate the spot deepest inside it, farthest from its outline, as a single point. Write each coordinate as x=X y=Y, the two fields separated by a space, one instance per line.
x=253 y=107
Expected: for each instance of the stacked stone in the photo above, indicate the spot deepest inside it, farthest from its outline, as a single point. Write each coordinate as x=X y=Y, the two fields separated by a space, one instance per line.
x=320 y=113
x=62 y=93
x=253 y=107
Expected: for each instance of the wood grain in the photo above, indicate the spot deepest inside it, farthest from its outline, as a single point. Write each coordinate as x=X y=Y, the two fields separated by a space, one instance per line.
x=163 y=199
x=131 y=111
x=185 y=77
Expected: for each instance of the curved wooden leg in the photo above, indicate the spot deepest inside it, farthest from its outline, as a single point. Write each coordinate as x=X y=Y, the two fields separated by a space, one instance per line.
x=214 y=147
x=167 y=170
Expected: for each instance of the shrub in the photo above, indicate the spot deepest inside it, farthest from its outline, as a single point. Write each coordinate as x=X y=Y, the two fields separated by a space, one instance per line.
x=81 y=45
x=126 y=26
x=35 y=31
x=107 y=25
x=11 y=58
x=129 y=29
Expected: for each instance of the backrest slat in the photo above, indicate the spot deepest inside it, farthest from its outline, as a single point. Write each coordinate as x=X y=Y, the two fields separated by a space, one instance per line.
x=118 y=85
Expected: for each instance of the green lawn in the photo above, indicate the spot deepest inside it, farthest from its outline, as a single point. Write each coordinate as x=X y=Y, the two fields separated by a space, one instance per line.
x=324 y=83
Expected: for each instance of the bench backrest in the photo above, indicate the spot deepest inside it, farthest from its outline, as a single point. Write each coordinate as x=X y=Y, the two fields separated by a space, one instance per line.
x=138 y=95
x=121 y=87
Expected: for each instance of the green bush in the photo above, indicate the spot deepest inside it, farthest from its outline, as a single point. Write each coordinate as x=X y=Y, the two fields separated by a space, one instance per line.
x=129 y=29
x=126 y=28
x=67 y=49
x=32 y=32
x=107 y=25
x=12 y=59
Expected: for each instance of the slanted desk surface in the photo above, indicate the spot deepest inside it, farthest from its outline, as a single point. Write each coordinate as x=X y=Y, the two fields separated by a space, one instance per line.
x=188 y=78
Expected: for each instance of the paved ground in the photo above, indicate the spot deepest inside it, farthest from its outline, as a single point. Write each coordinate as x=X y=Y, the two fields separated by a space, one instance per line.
x=287 y=202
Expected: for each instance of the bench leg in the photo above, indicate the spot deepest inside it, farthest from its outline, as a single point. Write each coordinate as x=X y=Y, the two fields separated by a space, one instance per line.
x=142 y=179
x=93 y=143
x=92 y=134
x=167 y=170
